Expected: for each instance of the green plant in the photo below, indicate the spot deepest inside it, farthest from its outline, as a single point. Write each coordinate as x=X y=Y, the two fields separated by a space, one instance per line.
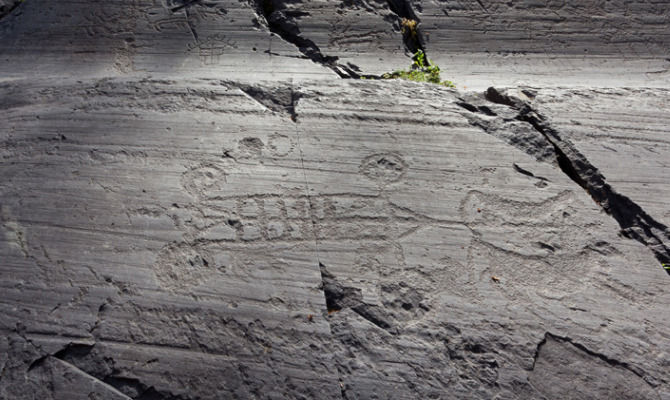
x=421 y=70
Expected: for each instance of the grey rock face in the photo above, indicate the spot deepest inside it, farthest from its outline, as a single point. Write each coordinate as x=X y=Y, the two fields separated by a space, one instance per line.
x=197 y=202
x=7 y=6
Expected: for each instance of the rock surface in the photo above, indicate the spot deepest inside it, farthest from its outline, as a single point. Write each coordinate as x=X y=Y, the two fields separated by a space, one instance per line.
x=198 y=202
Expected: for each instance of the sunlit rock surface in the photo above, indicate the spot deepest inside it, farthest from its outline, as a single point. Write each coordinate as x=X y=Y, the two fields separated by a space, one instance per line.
x=202 y=200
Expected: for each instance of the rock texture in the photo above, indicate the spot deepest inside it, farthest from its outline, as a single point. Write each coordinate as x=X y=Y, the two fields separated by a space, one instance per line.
x=564 y=43
x=201 y=200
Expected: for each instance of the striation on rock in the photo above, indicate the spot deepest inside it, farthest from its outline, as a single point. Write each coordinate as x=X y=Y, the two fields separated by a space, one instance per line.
x=199 y=201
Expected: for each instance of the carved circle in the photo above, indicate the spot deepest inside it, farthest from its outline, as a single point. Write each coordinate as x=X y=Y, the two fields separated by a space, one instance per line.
x=250 y=147
x=384 y=167
x=181 y=266
x=280 y=145
x=203 y=179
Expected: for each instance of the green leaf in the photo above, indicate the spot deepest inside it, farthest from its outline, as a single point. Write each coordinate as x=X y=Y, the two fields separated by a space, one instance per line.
x=419 y=71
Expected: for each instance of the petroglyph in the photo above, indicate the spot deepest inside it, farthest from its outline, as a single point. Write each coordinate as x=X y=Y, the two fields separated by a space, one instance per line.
x=535 y=248
x=204 y=177
x=517 y=220
x=268 y=217
x=280 y=145
x=180 y=266
x=532 y=248
x=189 y=187
x=12 y=234
x=384 y=167
x=125 y=19
x=342 y=36
x=211 y=48
x=250 y=147
x=123 y=60
x=218 y=223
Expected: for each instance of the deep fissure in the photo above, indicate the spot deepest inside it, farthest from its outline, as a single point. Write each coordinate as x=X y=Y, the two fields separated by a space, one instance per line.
x=635 y=223
x=339 y=297
x=564 y=339
x=279 y=21
x=184 y=5
x=280 y=99
x=7 y=10
x=412 y=38
x=84 y=357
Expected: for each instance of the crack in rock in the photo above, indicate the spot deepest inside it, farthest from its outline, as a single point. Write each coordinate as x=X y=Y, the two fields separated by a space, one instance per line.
x=561 y=355
x=412 y=38
x=8 y=6
x=564 y=339
x=546 y=144
x=280 y=20
x=394 y=12
x=400 y=10
x=184 y=4
x=499 y=121
x=275 y=16
x=523 y=171
x=282 y=100
x=50 y=368
x=83 y=356
x=339 y=297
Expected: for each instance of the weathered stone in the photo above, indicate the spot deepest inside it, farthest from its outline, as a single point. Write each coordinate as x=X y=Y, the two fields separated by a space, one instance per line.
x=198 y=202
